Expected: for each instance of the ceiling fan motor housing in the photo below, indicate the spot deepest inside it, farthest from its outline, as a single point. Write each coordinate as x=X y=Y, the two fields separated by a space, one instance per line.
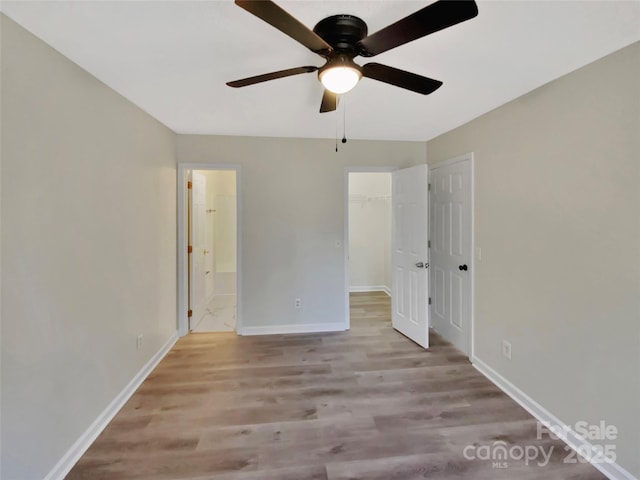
x=342 y=32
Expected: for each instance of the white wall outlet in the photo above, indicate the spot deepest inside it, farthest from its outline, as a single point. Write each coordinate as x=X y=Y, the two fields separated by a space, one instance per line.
x=298 y=303
x=139 y=342
x=478 y=253
x=506 y=349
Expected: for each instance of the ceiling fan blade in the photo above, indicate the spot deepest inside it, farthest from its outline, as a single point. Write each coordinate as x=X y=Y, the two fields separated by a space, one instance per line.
x=271 y=76
x=329 y=102
x=401 y=78
x=432 y=18
x=283 y=21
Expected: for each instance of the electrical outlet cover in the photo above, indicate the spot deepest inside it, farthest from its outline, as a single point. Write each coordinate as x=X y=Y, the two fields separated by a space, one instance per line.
x=506 y=349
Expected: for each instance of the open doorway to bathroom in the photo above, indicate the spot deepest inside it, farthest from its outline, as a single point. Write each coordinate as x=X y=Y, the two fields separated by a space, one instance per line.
x=212 y=249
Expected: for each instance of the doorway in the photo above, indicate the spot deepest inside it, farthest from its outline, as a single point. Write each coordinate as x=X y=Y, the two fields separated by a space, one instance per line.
x=370 y=232
x=208 y=242
x=367 y=235
x=431 y=250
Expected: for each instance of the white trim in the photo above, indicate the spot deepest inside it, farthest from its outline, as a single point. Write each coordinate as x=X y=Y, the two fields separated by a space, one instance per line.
x=576 y=442
x=472 y=258
x=347 y=170
x=370 y=288
x=183 y=168
x=183 y=257
x=66 y=463
x=293 y=328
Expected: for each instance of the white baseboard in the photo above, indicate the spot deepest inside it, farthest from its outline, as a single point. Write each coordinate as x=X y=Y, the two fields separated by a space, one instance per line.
x=370 y=288
x=304 y=328
x=610 y=469
x=66 y=463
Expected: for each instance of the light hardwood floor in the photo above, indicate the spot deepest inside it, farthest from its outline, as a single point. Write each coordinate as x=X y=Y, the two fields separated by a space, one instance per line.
x=365 y=404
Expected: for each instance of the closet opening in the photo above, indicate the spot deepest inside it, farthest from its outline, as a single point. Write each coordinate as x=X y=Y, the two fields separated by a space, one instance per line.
x=368 y=243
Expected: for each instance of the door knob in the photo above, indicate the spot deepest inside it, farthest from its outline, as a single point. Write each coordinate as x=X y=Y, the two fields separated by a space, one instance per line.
x=420 y=265
x=463 y=267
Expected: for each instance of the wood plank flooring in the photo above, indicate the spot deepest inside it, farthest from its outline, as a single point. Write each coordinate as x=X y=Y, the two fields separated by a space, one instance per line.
x=365 y=404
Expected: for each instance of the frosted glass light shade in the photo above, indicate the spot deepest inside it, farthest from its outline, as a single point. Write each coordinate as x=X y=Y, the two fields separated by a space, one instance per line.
x=340 y=80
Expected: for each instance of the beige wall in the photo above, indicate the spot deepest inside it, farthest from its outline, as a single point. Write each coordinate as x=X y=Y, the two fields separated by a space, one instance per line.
x=369 y=230
x=88 y=249
x=557 y=215
x=293 y=214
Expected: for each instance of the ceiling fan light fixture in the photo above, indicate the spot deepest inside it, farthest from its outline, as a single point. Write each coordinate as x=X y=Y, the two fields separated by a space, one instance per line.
x=340 y=75
x=340 y=80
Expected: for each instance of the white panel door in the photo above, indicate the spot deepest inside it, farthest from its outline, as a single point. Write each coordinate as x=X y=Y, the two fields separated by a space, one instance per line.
x=450 y=254
x=409 y=234
x=199 y=247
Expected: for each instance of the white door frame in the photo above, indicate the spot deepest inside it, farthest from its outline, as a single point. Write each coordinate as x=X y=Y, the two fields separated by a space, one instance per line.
x=183 y=256
x=345 y=244
x=472 y=255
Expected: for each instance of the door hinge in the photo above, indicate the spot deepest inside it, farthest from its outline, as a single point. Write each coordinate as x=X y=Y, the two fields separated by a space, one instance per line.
x=189 y=313
x=189 y=249
x=428 y=243
x=189 y=185
x=429 y=187
x=429 y=300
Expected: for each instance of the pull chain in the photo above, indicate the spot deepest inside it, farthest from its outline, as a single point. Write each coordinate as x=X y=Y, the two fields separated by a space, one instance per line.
x=344 y=121
x=336 y=133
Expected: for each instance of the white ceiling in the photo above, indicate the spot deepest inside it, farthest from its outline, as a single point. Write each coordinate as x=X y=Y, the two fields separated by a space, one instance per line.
x=172 y=58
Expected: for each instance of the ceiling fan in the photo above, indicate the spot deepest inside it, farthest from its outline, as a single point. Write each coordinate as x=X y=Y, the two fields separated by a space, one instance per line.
x=341 y=38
